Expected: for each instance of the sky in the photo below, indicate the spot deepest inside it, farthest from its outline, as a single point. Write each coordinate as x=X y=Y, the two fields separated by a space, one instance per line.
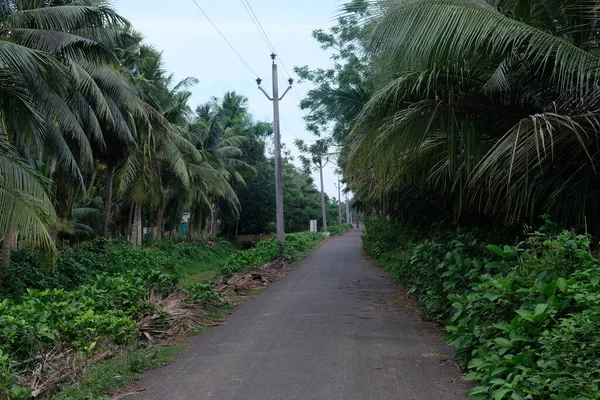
x=193 y=48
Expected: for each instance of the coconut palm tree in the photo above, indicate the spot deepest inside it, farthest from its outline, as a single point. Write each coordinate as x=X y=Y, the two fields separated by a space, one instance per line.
x=216 y=129
x=88 y=103
x=37 y=43
x=159 y=144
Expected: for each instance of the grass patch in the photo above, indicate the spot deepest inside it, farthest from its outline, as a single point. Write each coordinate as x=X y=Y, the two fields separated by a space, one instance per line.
x=201 y=271
x=106 y=378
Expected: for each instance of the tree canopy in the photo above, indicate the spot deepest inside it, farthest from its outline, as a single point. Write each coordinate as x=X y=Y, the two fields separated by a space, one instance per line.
x=96 y=138
x=468 y=110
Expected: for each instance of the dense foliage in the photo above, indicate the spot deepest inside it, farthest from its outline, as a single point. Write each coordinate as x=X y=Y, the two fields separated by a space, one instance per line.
x=96 y=139
x=523 y=317
x=476 y=111
x=269 y=250
x=94 y=298
x=84 y=263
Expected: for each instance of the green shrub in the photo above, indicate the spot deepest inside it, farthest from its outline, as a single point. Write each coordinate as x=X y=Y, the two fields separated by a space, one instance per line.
x=339 y=229
x=74 y=266
x=106 y=310
x=203 y=293
x=523 y=318
x=92 y=294
x=84 y=263
x=301 y=242
x=269 y=250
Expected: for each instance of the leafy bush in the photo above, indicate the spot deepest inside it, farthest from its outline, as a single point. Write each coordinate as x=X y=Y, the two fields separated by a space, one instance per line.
x=203 y=293
x=93 y=294
x=73 y=267
x=106 y=310
x=83 y=264
x=268 y=250
x=301 y=242
x=523 y=318
x=339 y=229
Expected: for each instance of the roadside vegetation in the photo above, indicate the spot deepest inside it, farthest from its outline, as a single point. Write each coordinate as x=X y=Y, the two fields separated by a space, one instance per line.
x=106 y=310
x=339 y=229
x=523 y=315
x=97 y=301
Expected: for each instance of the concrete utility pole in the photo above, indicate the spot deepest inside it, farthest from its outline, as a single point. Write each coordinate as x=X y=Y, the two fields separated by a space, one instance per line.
x=278 y=174
x=339 y=188
x=347 y=210
x=323 y=209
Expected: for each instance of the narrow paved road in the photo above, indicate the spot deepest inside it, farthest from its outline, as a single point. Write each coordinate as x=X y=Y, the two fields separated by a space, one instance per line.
x=329 y=331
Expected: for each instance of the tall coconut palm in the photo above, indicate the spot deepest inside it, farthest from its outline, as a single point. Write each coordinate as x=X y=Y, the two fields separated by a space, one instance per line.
x=25 y=207
x=216 y=127
x=93 y=103
x=160 y=146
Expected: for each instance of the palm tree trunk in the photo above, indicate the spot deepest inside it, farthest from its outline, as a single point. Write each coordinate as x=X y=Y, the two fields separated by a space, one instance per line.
x=7 y=244
x=108 y=201
x=191 y=227
x=54 y=233
x=323 y=209
x=92 y=181
x=205 y=227
x=160 y=224
x=130 y=220
x=136 y=232
x=213 y=222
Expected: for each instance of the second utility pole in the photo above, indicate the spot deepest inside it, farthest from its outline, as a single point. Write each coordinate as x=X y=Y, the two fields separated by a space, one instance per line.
x=339 y=188
x=278 y=170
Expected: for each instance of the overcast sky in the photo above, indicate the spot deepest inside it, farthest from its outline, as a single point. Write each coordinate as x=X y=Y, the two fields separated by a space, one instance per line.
x=192 y=47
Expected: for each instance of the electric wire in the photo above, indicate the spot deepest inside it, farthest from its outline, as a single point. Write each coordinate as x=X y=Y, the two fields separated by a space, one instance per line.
x=224 y=38
x=263 y=33
x=289 y=127
x=265 y=37
x=258 y=25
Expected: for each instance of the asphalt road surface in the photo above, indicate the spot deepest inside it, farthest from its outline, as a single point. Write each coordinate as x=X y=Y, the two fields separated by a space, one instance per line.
x=332 y=330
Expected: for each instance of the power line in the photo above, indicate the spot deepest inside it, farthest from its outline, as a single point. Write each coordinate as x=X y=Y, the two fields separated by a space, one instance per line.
x=258 y=25
x=225 y=39
x=289 y=127
x=263 y=33
x=295 y=91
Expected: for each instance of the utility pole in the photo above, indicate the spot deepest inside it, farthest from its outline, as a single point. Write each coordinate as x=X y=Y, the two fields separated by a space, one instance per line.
x=278 y=174
x=323 y=209
x=347 y=210
x=339 y=188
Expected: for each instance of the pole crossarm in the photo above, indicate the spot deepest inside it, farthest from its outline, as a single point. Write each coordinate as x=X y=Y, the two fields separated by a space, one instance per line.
x=259 y=81
x=266 y=94
x=284 y=93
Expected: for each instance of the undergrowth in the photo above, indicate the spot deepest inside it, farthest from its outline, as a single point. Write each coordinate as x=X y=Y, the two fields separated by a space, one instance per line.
x=339 y=229
x=108 y=377
x=95 y=297
x=57 y=316
x=269 y=250
x=83 y=264
x=523 y=316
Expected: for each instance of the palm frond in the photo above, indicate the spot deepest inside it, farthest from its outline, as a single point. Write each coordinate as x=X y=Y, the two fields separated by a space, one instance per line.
x=416 y=33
